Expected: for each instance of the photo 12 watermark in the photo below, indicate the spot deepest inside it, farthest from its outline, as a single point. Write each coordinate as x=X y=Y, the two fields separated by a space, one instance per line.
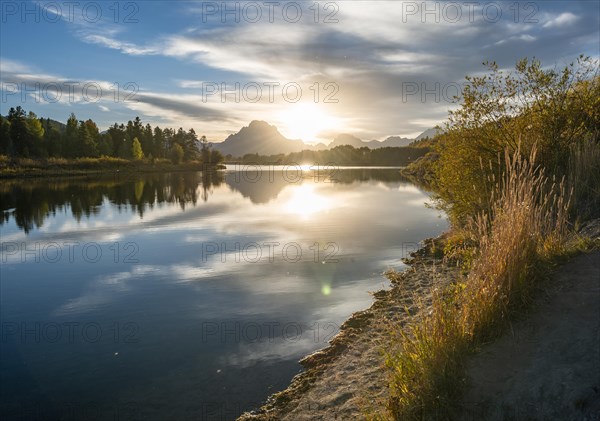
x=68 y=252
x=292 y=173
x=269 y=252
x=270 y=12
x=449 y=92
x=69 y=332
x=68 y=91
x=271 y=92
x=88 y=12
x=234 y=332
x=468 y=11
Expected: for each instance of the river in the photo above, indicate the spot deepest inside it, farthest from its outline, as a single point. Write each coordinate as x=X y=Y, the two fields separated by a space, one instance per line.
x=178 y=296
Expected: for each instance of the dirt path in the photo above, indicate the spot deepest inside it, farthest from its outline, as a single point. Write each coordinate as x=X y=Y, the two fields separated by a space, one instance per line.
x=548 y=366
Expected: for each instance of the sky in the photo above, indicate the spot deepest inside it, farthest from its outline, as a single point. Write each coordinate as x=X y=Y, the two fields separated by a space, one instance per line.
x=314 y=69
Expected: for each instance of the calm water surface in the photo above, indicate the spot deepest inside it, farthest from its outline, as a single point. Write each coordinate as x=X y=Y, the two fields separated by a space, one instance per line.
x=173 y=296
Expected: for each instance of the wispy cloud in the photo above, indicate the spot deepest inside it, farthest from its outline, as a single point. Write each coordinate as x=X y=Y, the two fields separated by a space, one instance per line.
x=125 y=47
x=40 y=88
x=562 y=20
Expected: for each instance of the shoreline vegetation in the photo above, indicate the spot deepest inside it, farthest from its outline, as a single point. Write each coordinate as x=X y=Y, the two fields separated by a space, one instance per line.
x=341 y=155
x=517 y=172
x=86 y=167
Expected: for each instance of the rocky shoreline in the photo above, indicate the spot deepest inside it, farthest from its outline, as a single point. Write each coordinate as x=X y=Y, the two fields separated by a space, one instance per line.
x=348 y=378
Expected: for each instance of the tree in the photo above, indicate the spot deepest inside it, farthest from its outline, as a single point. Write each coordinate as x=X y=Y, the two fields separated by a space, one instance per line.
x=87 y=146
x=176 y=154
x=159 y=142
x=126 y=147
x=5 y=140
x=205 y=151
x=35 y=134
x=147 y=140
x=19 y=135
x=117 y=136
x=53 y=141
x=216 y=157
x=71 y=137
x=551 y=109
x=136 y=150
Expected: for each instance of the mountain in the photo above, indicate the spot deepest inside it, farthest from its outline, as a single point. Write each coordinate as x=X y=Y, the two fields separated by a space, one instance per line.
x=264 y=139
x=261 y=138
x=347 y=139
x=430 y=133
x=392 y=141
x=48 y=123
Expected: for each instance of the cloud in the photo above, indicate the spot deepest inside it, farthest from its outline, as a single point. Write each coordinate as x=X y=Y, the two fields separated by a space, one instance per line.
x=190 y=84
x=125 y=47
x=184 y=105
x=562 y=20
x=11 y=66
x=45 y=88
x=101 y=290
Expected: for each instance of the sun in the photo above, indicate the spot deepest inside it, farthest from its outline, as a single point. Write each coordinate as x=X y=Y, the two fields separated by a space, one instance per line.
x=306 y=121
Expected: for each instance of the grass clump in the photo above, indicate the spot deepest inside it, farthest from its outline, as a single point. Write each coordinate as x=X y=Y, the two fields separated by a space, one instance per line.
x=527 y=227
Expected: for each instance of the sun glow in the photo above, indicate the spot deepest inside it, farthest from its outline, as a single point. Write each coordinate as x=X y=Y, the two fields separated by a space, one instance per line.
x=306 y=121
x=305 y=202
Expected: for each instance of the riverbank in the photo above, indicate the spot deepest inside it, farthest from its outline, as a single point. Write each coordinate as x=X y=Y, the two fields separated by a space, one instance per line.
x=80 y=167
x=348 y=379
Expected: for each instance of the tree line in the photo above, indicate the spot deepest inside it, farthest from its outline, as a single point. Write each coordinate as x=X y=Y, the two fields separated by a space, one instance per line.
x=341 y=155
x=24 y=135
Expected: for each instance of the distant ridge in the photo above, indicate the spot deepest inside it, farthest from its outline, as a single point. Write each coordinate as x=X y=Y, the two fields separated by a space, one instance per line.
x=347 y=139
x=259 y=137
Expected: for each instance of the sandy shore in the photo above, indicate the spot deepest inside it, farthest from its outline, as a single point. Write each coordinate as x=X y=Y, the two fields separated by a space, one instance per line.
x=547 y=366
x=348 y=377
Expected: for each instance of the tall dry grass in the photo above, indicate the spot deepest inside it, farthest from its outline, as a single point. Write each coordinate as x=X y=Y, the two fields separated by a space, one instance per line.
x=527 y=224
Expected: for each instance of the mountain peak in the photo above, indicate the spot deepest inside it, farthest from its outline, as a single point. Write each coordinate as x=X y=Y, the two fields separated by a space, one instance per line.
x=256 y=124
x=258 y=137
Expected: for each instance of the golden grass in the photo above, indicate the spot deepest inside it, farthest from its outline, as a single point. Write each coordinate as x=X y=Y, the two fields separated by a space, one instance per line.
x=527 y=226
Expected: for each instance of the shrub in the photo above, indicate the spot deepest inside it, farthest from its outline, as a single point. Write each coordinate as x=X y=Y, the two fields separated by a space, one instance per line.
x=551 y=109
